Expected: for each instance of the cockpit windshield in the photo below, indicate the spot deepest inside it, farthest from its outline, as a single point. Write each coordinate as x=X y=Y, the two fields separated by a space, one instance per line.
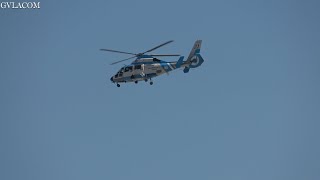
x=121 y=70
x=128 y=68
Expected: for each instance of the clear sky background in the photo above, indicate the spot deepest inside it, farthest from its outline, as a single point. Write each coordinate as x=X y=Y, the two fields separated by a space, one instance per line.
x=251 y=111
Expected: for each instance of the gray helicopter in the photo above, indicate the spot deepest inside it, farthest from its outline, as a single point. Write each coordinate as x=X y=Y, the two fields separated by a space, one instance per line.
x=147 y=66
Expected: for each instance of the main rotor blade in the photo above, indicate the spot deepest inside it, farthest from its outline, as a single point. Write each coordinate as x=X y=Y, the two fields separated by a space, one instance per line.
x=110 y=50
x=164 y=55
x=122 y=60
x=158 y=46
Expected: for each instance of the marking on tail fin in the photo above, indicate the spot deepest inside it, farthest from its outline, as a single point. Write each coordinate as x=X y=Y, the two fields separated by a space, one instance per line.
x=195 y=50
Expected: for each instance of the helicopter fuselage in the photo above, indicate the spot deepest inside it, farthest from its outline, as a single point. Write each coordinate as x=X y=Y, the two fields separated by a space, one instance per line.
x=142 y=70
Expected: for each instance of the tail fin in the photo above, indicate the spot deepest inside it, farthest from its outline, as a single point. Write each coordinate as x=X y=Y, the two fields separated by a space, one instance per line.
x=194 y=59
x=196 y=49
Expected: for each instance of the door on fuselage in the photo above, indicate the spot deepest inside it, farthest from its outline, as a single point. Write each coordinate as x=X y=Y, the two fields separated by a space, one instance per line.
x=138 y=70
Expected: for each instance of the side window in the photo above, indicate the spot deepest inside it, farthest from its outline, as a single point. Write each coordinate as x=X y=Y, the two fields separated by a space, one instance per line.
x=137 y=67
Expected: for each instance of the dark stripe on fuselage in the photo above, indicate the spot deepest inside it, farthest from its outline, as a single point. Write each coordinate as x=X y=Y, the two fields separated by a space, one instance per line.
x=136 y=77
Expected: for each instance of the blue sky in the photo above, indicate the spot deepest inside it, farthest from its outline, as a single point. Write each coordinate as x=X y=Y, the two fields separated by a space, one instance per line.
x=251 y=111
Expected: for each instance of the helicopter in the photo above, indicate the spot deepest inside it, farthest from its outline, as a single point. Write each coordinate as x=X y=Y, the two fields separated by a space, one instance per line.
x=147 y=66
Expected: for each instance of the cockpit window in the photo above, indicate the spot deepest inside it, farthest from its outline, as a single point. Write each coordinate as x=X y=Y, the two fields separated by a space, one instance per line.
x=129 y=68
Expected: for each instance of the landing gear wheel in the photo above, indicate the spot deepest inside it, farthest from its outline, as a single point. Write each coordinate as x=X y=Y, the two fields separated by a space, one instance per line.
x=118 y=85
x=136 y=82
x=146 y=80
x=151 y=83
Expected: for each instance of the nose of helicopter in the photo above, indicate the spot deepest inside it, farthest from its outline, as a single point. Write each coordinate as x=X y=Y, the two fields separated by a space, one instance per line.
x=111 y=79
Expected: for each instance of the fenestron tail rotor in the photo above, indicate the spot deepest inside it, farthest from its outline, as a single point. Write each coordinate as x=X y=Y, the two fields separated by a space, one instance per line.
x=140 y=54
